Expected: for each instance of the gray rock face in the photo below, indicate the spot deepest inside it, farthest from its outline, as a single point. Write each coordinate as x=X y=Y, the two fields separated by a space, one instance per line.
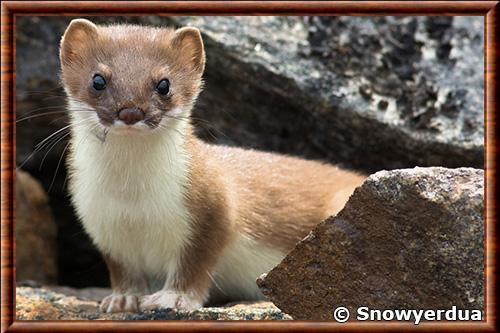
x=339 y=88
x=35 y=232
x=371 y=93
x=45 y=304
x=407 y=239
x=368 y=93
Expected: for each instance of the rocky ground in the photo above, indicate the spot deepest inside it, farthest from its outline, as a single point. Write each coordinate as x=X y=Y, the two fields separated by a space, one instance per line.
x=71 y=304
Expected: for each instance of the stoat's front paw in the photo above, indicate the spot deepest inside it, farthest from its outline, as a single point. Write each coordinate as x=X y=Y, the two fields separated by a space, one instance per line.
x=119 y=303
x=169 y=299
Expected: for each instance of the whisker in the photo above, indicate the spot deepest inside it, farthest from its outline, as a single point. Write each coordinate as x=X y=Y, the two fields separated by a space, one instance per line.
x=202 y=123
x=46 y=141
x=95 y=126
x=40 y=146
x=49 y=113
x=40 y=96
x=56 y=92
x=170 y=129
x=58 y=87
x=58 y=131
x=58 y=118
x=56 y=137
x=41 y=108
x=50 y=148
x=57 y=168
x=39 y=115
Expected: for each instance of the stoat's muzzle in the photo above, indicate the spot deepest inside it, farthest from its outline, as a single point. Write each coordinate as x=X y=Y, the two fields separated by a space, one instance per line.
x=131 y=116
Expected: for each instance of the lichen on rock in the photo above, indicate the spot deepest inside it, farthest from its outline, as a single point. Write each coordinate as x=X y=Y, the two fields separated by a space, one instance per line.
x=44 y=304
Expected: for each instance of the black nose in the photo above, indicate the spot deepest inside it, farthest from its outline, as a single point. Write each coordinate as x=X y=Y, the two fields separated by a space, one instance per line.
x=131 y=115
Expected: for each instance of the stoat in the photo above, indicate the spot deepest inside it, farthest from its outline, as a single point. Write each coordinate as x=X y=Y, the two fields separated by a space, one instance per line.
x=178 y=221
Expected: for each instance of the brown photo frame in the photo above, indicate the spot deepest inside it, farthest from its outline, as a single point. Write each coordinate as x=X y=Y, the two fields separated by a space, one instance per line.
x=11 y=9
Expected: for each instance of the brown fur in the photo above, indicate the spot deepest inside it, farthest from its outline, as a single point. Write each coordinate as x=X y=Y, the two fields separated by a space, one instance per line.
x=121 y=279
x=210 y=215
x=275 y=199
x=110 y=51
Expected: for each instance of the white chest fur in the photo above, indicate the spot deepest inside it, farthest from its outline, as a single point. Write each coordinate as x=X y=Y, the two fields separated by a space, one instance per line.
x=129 y=193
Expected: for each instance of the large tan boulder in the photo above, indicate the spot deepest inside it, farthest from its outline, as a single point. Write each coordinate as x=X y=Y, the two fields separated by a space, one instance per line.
x=35 y=232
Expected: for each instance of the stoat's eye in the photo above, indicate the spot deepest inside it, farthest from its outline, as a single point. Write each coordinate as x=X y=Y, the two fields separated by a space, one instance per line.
x=98 y=82
x=163 y=87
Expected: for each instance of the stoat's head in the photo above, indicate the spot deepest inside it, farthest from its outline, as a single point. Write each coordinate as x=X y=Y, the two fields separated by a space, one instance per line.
x=131 y=78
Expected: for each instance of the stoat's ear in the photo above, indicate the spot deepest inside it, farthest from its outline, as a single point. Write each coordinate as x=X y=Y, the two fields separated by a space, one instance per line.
x=76 y=38
x=187 y=41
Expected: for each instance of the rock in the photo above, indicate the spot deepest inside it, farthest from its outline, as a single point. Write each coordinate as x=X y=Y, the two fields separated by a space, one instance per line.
x=44 y=304
x=311 y=86
x=299 y=85
x=406 y=239
x=36 y=233
x=370 y=93
x=95 y=294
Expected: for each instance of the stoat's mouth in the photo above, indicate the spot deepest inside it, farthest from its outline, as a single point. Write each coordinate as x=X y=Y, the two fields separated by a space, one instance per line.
x=119 y=127
x=152 y=123
x=127 y=129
